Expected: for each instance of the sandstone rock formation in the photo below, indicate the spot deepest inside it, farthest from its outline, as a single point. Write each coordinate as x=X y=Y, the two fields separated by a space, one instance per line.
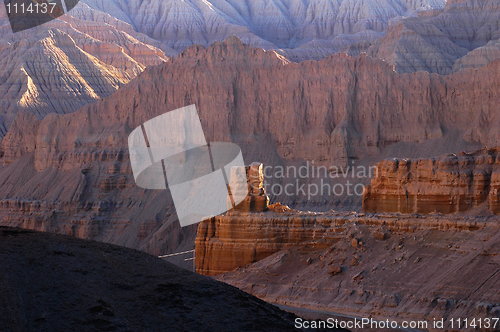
x=447 y=184
x=71 y=173
x=256 y=200
x=57 y=283
x=424 y=269
x=224 y=243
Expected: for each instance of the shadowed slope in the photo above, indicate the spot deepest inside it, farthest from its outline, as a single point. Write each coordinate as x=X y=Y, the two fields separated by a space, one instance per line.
x=58 y=283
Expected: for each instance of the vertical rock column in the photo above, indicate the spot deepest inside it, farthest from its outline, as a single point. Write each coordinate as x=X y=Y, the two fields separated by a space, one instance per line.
x=256 y=199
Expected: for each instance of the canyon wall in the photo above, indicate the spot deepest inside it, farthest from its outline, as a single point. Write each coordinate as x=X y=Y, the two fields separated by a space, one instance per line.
x=330 y=111
x=335 y=112
x=234 y=240
x=447 y=184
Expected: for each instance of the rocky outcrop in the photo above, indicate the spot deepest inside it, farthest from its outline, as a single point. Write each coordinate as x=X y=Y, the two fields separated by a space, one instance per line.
x=256 y=199
x=447 y=184
x=234 y=240
x=224 y=243
x=426 y=271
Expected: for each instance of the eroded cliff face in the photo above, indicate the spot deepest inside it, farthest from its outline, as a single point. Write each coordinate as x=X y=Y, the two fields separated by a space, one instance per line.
x=447 y=184
x=330 y=111
x=289 y=25
x=427 y=267
x=97 y=201
x=87 y=55
x=224 y=243
x=333 y=112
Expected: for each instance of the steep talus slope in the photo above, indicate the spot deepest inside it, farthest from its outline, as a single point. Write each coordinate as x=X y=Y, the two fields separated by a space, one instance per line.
x=71 y=173
x=63 y=65
x=57 y=283
x=434 y=43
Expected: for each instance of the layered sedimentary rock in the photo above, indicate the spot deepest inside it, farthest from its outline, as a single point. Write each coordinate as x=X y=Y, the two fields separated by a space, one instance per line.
x=289 y=111
x=98 y=200
x=479 y=57
x=68 y=63
x=384 y=265
x=234 y=240
x=410 y=35
x=102 y=45
x=447 y=184
x=294 y=27
x=74 y=171
x=434 y=42
x=224 y=243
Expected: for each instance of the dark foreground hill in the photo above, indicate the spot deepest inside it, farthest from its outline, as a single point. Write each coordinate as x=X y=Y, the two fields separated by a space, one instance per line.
x=59 y=283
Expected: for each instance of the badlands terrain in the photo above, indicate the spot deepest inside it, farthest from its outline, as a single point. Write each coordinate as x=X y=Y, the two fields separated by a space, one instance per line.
x=379 y=265
x=427 y=249
x=69 y=62
x=411 y=80
x=99 y=46
x=71 y=173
